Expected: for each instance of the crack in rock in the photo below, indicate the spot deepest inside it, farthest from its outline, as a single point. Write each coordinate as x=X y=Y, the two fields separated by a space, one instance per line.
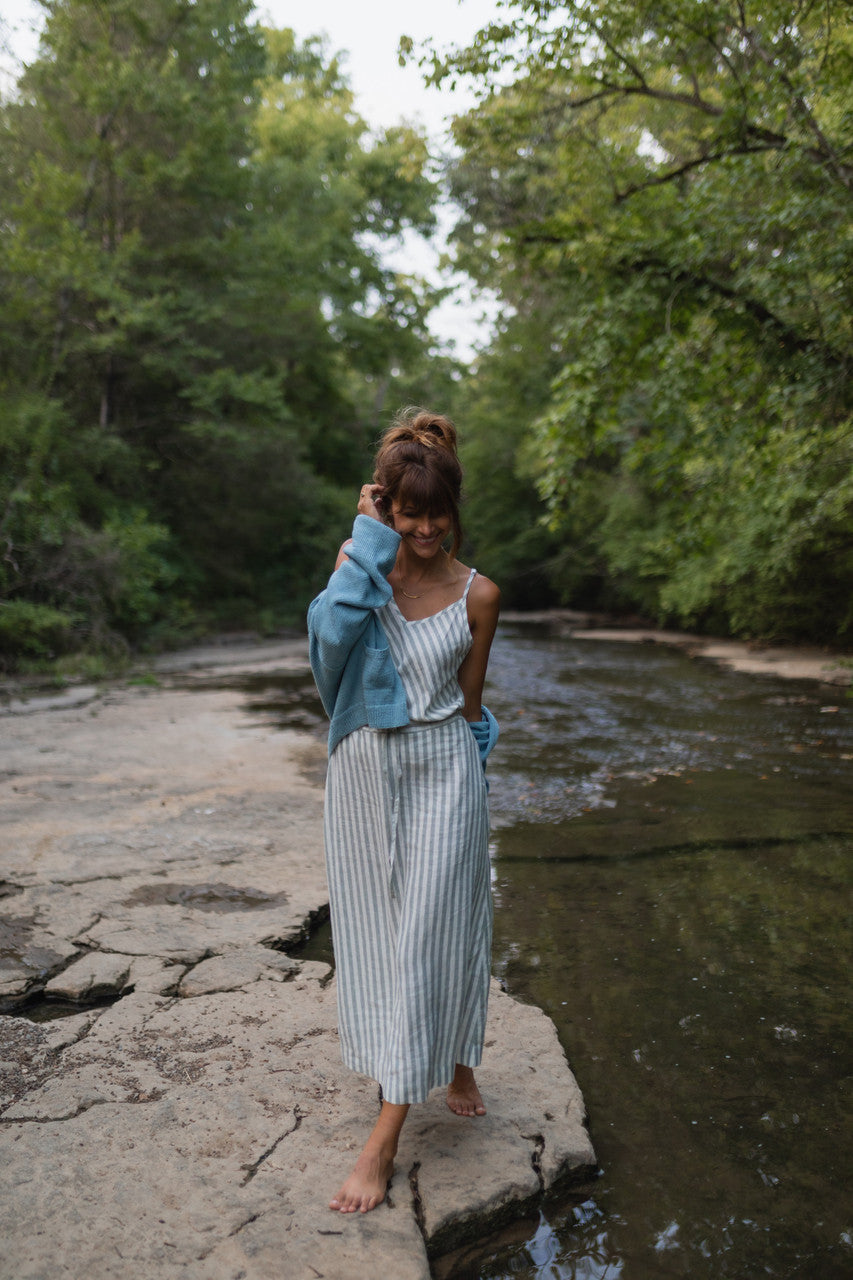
x=417 y=1200
x=538 y=1141
x=71 y=1115
x=177 y=860
x=287 y=1045
x=253 y=1217
x=252 y=1169
x=70 y=882
x=163 y=1005
x=66 y=1038
x=300 y=933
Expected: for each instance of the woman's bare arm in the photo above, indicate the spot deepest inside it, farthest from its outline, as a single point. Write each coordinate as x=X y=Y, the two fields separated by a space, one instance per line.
x=484 y=600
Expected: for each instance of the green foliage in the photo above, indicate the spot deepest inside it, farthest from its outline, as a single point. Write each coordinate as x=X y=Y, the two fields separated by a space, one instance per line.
x=200 y=339
x=32 y=630
x=676 y=182
x=195 y=310
x=507 y=390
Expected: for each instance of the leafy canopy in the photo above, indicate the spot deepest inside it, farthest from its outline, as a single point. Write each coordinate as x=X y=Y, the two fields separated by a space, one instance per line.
x=676 y=178
x=196 y=315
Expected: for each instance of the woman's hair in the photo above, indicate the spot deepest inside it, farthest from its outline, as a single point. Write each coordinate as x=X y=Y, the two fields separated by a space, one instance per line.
x=417 y=466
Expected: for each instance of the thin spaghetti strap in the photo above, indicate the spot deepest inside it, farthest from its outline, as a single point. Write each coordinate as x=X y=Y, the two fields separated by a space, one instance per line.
x=464 y=595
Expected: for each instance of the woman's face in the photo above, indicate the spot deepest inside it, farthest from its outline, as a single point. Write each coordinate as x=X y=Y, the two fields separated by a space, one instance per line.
x=421 y=532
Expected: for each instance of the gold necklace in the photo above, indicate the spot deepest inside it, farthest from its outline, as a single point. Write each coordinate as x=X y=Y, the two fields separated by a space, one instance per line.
x=409 y=595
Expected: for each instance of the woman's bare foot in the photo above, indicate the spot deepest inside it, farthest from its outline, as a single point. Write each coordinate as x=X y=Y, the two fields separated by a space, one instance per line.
x=365 y=1188
x=463 y=1096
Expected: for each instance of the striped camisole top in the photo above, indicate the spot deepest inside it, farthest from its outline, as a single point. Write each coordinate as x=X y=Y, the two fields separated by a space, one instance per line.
x=428 y=653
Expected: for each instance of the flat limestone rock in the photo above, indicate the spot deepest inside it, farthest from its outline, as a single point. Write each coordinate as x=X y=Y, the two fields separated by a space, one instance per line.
x=173 y=939
x=164 y=845
x=155 y=975
x=203 y=1136
x=530 y=1052
x=63 y=1032
x=793 y=662
x=74 y=697
x=186 y=935
x=96 y=974
x=32 y=955
x=474 y=1173
x=235 y=969
x=199 y=1137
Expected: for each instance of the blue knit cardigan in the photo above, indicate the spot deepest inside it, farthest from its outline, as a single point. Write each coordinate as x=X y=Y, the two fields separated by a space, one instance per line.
x=352 y=664
x=355 y=674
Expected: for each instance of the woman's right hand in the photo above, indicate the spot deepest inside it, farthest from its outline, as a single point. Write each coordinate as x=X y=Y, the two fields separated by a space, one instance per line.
x=370 y=500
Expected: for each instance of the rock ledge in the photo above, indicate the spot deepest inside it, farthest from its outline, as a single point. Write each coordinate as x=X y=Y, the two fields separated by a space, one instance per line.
x=164 y=850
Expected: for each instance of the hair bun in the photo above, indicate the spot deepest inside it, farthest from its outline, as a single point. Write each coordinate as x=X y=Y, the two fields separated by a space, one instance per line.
x=419 y=426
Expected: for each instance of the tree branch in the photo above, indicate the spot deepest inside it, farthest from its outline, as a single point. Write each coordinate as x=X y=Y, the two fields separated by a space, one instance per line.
x=801 y=109
x=619 y=56
x=644 y=90
x=791 y=338
x=696 y=162
x=769 y=139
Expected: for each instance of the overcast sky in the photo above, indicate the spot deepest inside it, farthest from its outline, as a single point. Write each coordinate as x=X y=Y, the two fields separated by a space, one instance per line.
x=368 y=32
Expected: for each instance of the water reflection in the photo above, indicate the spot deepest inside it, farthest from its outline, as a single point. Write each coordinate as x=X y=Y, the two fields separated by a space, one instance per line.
x=674 y=898
x=581 y=716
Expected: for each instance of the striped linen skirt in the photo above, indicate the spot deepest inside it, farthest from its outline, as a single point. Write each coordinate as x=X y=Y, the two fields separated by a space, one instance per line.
x=406 y=827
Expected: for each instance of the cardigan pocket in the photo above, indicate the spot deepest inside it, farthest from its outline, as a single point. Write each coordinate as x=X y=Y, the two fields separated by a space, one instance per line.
x=379 y=678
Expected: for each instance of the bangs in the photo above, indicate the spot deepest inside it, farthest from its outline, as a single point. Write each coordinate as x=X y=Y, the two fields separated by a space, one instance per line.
x=424 y=492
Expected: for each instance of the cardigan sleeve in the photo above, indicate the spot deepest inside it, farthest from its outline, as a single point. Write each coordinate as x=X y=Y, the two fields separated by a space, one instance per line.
x=485 y=733
x=339 y=615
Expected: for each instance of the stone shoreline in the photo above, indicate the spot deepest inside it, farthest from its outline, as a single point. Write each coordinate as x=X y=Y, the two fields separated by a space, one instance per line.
x=790 y=661
x=163 y=850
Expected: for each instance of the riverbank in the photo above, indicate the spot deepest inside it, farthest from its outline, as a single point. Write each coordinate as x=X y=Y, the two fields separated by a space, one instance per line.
x=790 y=662
x=162 y=854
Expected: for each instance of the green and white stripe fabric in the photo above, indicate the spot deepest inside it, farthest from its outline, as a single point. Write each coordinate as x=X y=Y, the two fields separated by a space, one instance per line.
x=427 y=654
x=408 y=866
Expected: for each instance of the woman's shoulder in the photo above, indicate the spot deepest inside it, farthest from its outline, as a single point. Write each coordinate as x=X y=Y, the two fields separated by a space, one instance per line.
x=484 y=592
x=484 y=602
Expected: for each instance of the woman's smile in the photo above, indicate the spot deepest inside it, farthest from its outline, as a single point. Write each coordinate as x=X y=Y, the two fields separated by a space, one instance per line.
x=423 y=532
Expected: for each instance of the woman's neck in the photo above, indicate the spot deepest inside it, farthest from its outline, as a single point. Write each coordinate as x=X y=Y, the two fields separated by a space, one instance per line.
x=414 y=575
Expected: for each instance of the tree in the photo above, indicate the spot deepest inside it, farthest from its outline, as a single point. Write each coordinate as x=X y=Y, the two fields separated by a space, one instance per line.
x=677 y=178
x=190 y=257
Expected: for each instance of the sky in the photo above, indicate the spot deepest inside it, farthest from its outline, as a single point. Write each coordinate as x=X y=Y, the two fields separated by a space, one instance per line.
x=368 y=33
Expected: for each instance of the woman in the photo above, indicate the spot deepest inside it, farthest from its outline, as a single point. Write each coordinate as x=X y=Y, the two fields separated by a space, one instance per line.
x=400 y=641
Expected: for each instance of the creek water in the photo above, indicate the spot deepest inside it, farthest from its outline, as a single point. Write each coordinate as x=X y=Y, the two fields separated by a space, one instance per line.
x=672 y=856
x=672 y=848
